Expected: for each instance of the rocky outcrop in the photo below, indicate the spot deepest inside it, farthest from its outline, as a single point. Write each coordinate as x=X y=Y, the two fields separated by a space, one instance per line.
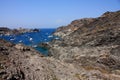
x=66 y=30
x=94 y=44
x=101 y=32
x=22 y=64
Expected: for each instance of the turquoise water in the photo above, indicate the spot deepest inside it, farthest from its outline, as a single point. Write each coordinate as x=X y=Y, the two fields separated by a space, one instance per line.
x=32 y=39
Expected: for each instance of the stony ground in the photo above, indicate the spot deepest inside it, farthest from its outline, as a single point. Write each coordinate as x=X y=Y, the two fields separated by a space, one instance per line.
x=18 y=62
x=87 y=53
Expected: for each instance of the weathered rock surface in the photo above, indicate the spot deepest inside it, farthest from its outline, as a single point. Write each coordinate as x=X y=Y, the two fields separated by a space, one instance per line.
x=66 y=30
x=90 y=52
x=102 y=33
x=24 y=63
x=96 y=43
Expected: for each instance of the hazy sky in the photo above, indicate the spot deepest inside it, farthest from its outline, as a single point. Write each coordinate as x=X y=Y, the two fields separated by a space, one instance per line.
x=51 y=13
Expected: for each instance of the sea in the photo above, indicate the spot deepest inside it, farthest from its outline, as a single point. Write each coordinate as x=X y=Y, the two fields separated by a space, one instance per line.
x=32 y=39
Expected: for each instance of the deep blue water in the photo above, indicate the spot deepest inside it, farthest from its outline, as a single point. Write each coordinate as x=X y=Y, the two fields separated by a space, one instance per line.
x=32 y=39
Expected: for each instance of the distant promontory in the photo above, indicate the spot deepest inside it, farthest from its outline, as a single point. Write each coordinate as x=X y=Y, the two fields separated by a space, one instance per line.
x=8 y=31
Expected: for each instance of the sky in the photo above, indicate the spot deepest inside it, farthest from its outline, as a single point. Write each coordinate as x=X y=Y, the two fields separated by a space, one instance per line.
x=51 y=13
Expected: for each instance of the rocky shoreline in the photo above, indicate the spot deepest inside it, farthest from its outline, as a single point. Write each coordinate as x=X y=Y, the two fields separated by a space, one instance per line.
x=89 y=50
x=8 y=31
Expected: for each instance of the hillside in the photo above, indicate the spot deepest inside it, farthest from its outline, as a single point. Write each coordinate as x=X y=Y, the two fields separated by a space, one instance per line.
x=95 y=43
x=89 y=49
x=100 y=32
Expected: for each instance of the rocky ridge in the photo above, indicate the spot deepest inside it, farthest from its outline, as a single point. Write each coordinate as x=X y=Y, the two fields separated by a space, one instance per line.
x=76 y=24
x=94 y=43
x=101 y=32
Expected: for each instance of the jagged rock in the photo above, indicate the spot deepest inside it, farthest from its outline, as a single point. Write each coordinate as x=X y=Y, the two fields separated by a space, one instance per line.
x=66 y=30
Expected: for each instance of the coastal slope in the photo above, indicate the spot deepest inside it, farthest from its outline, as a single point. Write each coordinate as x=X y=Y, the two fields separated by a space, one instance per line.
x=102 y=34
x=89 y=50
x=94 y=44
